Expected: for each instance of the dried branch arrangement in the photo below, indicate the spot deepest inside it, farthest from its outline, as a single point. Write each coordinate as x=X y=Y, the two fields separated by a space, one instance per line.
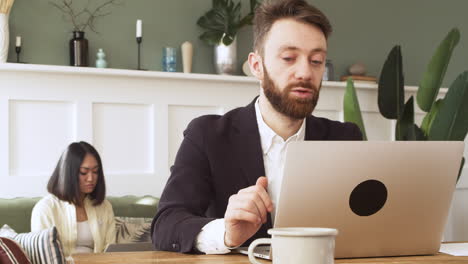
x=5 y=6
x=85 y=17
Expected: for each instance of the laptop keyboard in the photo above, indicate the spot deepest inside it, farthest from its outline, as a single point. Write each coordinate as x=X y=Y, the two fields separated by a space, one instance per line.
x=263 y=250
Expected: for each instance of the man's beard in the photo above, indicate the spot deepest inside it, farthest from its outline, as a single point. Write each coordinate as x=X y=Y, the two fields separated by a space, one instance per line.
x=283 y=102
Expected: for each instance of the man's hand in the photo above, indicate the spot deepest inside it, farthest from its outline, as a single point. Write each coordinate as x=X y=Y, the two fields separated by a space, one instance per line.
x=246 y=212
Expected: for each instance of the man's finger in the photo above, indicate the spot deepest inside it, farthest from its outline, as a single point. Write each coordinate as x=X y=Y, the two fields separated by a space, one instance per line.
x=253 y=200
x=262 y=182
x=244 y=204
x=242 y=215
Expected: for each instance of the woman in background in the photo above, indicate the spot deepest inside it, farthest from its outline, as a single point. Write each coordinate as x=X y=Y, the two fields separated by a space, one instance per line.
x=76 y=204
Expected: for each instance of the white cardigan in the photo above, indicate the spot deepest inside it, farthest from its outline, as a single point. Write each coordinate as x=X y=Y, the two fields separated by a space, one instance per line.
x=50 y=211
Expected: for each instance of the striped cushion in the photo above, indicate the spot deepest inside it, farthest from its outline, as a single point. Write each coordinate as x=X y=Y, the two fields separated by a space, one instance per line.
x=42 y=247
x=11 y=252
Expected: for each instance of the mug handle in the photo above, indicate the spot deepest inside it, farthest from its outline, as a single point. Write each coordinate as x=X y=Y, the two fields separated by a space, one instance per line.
x=253 y=245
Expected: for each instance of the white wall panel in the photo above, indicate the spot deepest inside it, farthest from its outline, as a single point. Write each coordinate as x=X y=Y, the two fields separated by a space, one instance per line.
x=4 y=142
x=179 y=118
x=330 y=114
x=39 y=130
x=377 y=127
x=124 y=135
x=458 y=227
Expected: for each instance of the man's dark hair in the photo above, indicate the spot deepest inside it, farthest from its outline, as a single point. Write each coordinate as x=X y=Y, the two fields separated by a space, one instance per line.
x=270 y=11
x=65 y=180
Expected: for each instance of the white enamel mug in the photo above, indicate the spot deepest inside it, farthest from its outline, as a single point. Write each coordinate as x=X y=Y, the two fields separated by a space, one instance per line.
x=299 y=245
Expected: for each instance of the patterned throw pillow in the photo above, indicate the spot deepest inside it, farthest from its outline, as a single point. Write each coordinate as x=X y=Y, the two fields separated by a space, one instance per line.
x=11 y=252
x=133 y=229
x=42 y=247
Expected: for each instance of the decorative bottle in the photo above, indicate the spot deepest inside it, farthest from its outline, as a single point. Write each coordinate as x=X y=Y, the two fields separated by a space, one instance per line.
x=79 y=50
x=101 y=61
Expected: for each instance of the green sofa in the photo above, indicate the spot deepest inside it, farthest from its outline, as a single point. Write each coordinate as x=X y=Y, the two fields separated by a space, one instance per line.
x=16 y=212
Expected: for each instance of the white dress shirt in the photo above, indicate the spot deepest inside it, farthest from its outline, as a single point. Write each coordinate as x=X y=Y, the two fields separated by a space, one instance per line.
x=211 y=238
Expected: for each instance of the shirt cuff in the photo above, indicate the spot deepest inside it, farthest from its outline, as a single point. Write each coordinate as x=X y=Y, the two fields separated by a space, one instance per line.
x=210 y=240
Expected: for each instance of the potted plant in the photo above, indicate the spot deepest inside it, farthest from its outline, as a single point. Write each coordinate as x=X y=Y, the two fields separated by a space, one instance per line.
x=221 y=24
x=81 y=19
x=446 y=119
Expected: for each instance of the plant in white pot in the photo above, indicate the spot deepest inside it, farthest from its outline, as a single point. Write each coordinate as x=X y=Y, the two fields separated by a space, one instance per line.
x=221 y=24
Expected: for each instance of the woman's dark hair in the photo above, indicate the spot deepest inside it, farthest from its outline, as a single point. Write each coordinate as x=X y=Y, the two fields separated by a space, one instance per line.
x=65 y=180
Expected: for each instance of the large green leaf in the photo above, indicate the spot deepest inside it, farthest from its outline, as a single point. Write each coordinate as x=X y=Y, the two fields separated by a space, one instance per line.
x=429 y=118
x=391 y=86
x=352 y=111
x=228 y=39
x=451 y=123
x=436 y=69
x=405 y=125
x=461 y=168
x=224 y=20
x=212 y=37
x=211 y=21
x=253 y=5
x=221 y=23
x=247 y=20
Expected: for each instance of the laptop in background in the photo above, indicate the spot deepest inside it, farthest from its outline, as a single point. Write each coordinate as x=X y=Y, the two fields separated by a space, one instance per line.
x=130 y=247
x=385 y=198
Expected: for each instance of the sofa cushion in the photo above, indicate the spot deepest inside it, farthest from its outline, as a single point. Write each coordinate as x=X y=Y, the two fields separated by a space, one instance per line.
x=42 y=247
x=16 y=213
x=11 y=252
x=134 y=206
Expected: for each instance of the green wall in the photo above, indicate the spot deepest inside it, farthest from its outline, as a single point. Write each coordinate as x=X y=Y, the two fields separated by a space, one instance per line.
x=364 y=30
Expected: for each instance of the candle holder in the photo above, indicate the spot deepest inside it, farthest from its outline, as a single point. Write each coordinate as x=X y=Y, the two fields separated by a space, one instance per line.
x=18 y=51
x=139 y=40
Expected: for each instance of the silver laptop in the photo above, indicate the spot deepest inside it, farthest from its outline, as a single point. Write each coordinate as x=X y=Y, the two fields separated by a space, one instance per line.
x=385 y=198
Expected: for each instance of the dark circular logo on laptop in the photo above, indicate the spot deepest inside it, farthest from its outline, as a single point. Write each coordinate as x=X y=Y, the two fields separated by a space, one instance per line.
x=368 y=198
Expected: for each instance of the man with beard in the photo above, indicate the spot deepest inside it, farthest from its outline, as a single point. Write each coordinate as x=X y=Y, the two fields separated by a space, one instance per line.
x=227 y=174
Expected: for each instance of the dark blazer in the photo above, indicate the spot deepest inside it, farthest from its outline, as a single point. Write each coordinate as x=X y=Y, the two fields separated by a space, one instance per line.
x=219 y=156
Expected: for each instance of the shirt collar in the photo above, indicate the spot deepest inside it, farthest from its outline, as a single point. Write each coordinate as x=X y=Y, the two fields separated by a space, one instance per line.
x=267 y=135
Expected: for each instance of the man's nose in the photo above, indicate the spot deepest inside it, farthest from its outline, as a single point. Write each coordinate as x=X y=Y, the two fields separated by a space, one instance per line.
x=304 y=70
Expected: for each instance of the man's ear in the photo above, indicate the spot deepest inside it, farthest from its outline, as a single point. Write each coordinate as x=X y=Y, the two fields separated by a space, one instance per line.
x=256 y=65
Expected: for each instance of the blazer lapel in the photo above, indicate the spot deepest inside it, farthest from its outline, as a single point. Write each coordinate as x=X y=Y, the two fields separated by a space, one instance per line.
x=248 y=149
x=246 y=143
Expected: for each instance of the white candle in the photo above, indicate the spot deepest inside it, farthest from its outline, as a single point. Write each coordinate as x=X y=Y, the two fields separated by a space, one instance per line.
x=138 y=29
x=18 y=41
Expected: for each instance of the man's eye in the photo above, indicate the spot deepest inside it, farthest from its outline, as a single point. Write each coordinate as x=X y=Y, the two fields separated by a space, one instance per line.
x=288 y=59
x=317 y=62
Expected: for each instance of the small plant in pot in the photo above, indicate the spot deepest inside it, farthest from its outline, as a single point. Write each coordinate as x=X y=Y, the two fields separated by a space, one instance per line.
x=221 y=25
x=81 y=19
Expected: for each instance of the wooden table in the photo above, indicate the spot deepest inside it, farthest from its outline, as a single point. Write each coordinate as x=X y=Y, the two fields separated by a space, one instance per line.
x=162 y=257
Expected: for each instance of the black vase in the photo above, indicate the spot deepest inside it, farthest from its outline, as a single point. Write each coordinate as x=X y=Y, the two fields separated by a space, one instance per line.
x=79 y=50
